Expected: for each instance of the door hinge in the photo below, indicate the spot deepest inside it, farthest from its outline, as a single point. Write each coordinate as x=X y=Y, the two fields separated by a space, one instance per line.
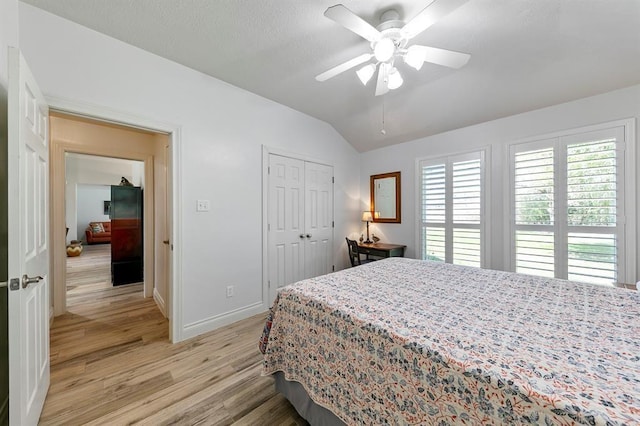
x=268 y=170
x=333 y=179
x=3 y=284
x=333 y=268
x=269 y=284
x=268 y=227
x=333 y=224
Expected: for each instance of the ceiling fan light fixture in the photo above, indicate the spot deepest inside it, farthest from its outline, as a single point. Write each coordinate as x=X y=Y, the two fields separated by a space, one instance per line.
x=365 y=73
x=384 y=49
x=390 y=40
x=395 y=79
x=414 y=57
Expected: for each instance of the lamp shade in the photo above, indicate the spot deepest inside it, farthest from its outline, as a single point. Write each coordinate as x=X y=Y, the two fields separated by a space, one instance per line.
x=395 y=79
x=415 y=57
x=365 y=73
x=368 y=216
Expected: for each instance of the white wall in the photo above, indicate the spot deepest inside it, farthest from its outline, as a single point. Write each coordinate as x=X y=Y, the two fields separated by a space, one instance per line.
x=620 y=104
x=93 y=170
x=222 y=131
x=8 y=37
x=90 y=206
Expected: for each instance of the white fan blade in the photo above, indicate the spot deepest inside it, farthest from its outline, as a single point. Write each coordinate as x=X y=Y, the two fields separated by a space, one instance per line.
x=431 y=14
x=344 y=67
x=382 y=86
x=447 y=58
x=353 y=22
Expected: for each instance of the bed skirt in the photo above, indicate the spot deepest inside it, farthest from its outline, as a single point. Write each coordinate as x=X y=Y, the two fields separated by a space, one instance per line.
x=315 y=414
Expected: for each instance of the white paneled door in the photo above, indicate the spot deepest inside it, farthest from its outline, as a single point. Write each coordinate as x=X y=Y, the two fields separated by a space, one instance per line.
x=318 y=219
x=286 y=232
x=300 y=221
x=28 y=179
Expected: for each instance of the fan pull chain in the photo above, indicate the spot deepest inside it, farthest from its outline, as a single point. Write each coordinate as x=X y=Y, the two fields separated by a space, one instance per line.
x=383 y=131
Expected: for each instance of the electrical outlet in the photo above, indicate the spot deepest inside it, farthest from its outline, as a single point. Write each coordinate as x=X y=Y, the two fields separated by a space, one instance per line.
x=203 y=205
x=229 y=291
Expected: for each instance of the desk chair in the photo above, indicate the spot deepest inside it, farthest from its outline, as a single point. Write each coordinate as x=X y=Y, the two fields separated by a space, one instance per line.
x=354 y=253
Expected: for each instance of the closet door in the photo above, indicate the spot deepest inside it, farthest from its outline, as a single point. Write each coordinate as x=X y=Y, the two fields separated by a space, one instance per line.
x=300 y=221
x=286 y=232
x=318 y=219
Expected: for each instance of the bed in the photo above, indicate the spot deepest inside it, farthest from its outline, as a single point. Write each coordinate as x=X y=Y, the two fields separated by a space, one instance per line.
x=403 y=341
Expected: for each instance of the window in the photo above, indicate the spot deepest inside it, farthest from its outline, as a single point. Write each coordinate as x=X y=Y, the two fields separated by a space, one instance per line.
x=568 y=206
x=451 y=209
x=534 y=212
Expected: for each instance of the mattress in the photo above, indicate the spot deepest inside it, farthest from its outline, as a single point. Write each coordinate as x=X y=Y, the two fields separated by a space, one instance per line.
x=403 y=341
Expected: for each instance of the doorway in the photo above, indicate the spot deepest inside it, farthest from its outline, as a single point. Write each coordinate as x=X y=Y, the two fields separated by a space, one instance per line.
x=92 y=242
x=72 y=135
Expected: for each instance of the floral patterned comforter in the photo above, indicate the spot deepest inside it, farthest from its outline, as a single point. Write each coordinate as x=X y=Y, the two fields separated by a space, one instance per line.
x=403 y=341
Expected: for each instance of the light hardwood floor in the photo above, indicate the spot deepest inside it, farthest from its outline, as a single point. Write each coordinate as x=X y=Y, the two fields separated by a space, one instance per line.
x=112 y=363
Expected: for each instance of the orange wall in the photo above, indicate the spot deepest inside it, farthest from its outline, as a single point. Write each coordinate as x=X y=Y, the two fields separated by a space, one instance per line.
x=87 y=134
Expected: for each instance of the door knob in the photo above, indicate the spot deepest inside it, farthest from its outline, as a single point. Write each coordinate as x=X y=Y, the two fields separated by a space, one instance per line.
x=301 y=235
x=165 y=242
x=30 y=280
x=308 y=235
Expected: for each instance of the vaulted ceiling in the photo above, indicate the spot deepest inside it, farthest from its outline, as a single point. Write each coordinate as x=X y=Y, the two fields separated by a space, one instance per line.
x=525 y=54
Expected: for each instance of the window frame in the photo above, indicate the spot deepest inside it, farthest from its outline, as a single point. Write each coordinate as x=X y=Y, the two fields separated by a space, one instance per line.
x=483 y=154
x=625 y=229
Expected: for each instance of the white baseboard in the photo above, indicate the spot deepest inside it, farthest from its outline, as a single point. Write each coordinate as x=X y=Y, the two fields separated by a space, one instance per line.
x=160 y=302
x=209 y=324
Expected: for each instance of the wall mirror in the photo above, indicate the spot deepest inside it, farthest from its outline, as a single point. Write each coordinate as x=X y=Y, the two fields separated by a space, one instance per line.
x=385 y=197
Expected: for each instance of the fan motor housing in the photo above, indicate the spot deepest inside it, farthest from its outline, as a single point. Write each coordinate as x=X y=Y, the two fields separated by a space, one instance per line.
x=390 y=26
x=390 y=19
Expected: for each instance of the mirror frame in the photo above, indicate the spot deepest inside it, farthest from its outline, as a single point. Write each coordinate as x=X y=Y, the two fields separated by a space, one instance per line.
x=398 y=216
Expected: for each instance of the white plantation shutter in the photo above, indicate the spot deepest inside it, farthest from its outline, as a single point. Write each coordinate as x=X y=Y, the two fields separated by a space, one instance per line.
x=534 y=212
x=567 y=204
x=452 y=216
x=467 y=211
x=535 y=253
x=466 y=247
x=534 y=187
x=466 y=185
x=592 y=211
x=433 y=212
x=433 y=194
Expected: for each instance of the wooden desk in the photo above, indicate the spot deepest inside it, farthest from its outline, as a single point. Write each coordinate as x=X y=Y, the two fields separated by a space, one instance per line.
x=382 y=249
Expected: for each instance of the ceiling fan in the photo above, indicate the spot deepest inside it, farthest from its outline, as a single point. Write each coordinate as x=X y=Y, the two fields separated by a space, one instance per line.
x=389 y=41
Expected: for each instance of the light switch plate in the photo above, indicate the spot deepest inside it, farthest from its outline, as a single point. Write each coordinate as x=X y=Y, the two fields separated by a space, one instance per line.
x=203 y=205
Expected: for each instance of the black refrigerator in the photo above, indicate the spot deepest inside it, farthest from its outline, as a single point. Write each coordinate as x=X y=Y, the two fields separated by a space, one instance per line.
x=126 y=235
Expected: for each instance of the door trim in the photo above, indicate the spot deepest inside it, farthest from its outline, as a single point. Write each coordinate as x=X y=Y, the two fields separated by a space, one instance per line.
x=266 y=151
x=174 y=131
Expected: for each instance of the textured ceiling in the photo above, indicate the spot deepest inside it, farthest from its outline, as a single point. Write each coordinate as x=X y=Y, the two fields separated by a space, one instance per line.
x=525 y=54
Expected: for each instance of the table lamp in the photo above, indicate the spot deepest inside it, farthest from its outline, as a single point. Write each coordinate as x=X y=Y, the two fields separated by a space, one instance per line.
x=368 y=217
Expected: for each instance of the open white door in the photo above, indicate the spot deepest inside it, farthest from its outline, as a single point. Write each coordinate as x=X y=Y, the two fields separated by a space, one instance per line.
x=28 y=178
